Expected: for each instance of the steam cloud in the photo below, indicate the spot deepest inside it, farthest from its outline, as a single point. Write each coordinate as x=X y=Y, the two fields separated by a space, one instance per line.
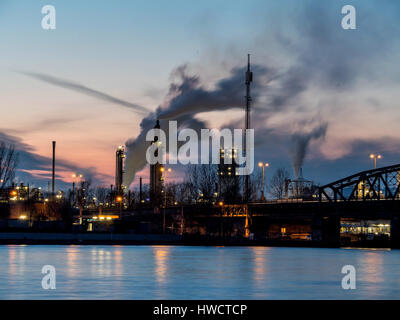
x=188 y=97
x=66 y=84
x=319 y=62
x=300 y=142
x=185 y=99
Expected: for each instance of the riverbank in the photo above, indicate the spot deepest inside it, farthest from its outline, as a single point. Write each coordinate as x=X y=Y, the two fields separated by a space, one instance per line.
x=25 y=238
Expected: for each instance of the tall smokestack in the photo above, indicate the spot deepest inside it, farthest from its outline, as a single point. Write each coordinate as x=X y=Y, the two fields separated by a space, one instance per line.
x=54 y=168
x=156 y=175
x=119 y=170
x=141 y=191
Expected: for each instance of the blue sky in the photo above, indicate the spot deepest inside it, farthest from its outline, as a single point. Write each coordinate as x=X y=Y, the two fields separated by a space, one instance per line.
x=347 y=79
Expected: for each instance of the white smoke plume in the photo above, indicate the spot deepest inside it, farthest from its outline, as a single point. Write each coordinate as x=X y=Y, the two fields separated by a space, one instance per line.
x=188 y=97
x=300 y=142
x=185 y=99
x=70 y=85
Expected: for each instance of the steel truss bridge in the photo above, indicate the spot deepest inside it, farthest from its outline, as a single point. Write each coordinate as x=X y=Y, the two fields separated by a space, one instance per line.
x=377 y=184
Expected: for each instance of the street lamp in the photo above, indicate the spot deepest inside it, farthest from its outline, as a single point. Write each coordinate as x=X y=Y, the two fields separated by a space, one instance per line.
x=164 y=171
x=120 y=199
x=263 y=166
x=375 y=157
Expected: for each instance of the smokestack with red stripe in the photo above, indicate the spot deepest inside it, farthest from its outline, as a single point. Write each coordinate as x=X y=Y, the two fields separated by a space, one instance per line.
x=54 y=168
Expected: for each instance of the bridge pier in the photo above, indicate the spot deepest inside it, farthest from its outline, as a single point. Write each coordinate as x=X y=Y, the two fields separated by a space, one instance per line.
x=326 y=230
x=395 y=233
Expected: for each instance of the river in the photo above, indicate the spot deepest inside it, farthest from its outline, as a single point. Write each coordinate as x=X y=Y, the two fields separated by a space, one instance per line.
x=179 y=272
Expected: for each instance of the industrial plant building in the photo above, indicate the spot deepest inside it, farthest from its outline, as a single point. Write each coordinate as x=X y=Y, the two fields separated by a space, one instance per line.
x=156 y=177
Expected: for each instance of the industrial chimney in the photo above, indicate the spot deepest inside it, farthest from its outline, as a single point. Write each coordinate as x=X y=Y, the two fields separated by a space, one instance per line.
x=156 y=176
x=54 y=169
x=140 y=191
x=119 y=170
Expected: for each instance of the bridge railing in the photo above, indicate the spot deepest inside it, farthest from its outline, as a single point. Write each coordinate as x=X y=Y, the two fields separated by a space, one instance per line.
x=288 y=200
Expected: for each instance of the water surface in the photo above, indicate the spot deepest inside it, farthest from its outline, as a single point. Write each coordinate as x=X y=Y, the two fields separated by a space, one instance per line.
x=177 y=272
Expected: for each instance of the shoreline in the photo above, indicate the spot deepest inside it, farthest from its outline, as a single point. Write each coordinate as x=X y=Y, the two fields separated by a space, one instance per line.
x=23 y=238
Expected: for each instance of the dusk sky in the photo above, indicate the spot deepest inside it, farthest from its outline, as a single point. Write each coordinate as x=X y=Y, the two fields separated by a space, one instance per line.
x=312 y=74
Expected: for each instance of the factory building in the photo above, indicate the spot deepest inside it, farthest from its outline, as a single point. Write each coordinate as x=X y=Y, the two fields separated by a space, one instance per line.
x=156 y=178
x=300 y=188
x=228 y=179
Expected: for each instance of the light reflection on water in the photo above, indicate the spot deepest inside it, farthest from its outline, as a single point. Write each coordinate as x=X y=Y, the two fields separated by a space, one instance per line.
x=175 y=272
x=161 y=255
x=260 y=264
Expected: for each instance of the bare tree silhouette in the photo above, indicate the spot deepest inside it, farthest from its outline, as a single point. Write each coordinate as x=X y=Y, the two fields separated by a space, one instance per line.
x=278 y=183
x=8 y=164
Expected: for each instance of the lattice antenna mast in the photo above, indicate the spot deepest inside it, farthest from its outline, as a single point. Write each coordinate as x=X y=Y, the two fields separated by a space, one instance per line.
x=249 y=79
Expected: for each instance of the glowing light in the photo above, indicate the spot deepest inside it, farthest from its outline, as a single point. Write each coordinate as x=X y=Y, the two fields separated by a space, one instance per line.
x=105 y=217
x=375 y=156
x=260 y=164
